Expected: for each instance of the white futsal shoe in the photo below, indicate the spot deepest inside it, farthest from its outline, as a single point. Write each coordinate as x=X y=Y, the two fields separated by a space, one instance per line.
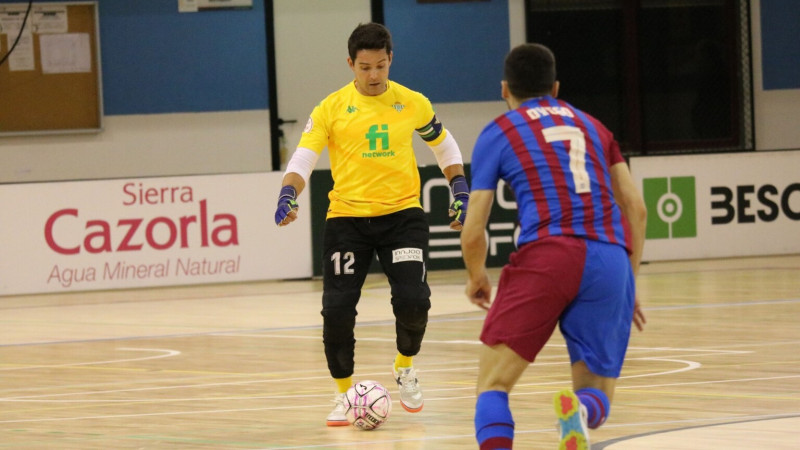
x=408 y=385
x=337 y=417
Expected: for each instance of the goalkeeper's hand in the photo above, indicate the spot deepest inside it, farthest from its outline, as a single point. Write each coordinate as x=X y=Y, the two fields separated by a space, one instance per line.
x=287 y=206
x=458 y=209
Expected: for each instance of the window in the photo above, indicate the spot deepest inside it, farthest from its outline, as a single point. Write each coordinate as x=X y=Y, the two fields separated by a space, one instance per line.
x=665 y=76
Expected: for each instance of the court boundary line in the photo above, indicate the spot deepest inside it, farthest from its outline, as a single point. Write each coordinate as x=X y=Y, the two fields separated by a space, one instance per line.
x=602 y=445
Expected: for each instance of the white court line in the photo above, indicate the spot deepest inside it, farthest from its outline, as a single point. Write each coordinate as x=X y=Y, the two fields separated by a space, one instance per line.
x=741 y=345
x=696 y=351
x=477 y=342
x=161 y=388
x=694 y=354
x=723 y=305
x=368 y=339
x=690 y=364
x=49 y=398
x=271 y=408
x=730 y=380
x=670 y=349
x=282 y=380
x=166 y=354
x=549 y=430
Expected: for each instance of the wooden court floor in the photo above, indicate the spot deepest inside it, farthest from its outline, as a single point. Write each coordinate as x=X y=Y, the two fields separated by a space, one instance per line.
x=240 y=366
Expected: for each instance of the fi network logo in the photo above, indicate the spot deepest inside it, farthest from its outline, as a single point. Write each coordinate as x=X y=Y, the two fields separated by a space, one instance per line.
x=374 y=136
x=673 y=201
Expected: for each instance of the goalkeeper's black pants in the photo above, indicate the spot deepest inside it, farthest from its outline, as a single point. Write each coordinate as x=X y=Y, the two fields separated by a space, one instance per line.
x=400 y=241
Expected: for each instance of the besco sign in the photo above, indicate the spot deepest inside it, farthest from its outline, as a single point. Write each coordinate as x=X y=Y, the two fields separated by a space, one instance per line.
x=671 y=202
x=746 y=203
x=721 y=205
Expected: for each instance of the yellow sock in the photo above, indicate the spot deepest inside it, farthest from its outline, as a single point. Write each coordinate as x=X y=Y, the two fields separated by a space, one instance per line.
x=402 y=360
x=343 y=384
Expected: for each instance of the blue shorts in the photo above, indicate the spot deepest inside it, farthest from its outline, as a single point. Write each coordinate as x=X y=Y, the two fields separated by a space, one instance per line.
x=586 y=287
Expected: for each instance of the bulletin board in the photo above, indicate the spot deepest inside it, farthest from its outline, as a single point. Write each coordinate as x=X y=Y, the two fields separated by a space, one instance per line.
x=51 y=83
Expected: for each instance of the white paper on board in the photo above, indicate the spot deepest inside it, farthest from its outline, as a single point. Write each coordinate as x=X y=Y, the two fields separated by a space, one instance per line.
x=66 y=53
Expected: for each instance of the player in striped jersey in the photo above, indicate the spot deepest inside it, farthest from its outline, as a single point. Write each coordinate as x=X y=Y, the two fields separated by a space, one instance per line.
x=582 y=223
x=368 y=126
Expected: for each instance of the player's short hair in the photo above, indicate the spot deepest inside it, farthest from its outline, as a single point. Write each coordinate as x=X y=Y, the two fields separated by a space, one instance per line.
x=530 y=71
x=369 y=36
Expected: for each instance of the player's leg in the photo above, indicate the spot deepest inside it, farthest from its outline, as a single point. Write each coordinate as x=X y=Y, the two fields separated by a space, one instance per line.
x=534 y=288
x=594 y=391
x=499 y=369
x=596 y=327
x=403 y=253
x=346 y=261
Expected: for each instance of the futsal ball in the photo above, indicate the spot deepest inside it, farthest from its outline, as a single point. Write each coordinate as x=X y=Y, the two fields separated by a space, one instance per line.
x=368 y=405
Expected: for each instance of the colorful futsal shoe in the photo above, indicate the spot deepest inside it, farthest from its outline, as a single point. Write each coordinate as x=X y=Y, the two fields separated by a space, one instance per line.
x=337 y=417
x=408 y=385
x=572 y=417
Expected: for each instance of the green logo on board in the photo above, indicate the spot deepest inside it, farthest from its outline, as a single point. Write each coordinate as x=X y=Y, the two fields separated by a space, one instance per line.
x=671 y=206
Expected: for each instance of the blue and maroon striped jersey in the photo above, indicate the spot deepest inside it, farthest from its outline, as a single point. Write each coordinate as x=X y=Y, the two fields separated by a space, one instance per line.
x=556 y=159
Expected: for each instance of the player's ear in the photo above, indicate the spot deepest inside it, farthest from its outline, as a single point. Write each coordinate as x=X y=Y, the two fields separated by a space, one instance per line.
x=351 y=63
x=504 y=93
x=556 y=85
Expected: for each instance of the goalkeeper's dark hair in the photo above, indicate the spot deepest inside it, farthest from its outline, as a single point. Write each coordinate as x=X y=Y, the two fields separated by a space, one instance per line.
x=530 y=71
x=369 y=36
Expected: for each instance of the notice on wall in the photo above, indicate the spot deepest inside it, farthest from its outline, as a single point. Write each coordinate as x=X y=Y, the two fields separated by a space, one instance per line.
x=41 y=19
x=11 y=24
x=66 y=53
x=22 y=57
x=50 y=19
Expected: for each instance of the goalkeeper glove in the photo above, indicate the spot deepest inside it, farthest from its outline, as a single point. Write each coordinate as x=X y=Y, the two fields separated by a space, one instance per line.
x=458 y=209
x=287 y=202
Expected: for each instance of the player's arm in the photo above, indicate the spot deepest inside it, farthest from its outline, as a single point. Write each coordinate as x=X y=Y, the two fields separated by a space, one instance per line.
x=633 y=208
x=473 y=248
x=298 y=170
x=453 y=171
x=448 y=157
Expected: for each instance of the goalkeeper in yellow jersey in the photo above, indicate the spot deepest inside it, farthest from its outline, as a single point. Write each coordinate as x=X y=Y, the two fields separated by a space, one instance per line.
x=368 y=126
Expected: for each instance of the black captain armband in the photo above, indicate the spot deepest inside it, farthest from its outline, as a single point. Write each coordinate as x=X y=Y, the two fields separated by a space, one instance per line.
x=431 y=131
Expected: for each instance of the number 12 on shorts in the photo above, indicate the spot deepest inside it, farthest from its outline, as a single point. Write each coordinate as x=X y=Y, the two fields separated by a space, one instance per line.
x=348 y=259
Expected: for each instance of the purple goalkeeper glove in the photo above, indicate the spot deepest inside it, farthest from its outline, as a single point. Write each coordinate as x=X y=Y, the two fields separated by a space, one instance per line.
x=287 y=203
x=458 y=209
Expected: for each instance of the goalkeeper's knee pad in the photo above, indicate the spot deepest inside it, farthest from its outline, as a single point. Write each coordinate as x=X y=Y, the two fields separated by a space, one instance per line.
x=412 y=314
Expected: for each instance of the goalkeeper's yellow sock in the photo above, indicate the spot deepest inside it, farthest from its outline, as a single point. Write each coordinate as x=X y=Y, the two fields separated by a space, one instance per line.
x=343 y=384
x=402 y=360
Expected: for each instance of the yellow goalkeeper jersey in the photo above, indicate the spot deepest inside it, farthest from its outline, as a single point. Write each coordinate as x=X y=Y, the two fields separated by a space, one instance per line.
x=369 y=140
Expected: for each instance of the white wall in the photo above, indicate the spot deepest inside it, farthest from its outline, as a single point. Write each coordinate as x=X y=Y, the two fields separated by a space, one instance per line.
x=230 y=142
x=143 y=146
x=308 y=73
x=777 y=112
x=464 y=120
